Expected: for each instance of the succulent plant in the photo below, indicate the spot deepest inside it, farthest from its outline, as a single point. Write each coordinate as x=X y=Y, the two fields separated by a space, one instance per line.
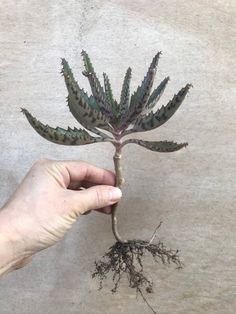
x=110 y=121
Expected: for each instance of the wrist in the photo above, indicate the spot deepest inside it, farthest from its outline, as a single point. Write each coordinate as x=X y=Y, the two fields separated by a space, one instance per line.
x=12 y=253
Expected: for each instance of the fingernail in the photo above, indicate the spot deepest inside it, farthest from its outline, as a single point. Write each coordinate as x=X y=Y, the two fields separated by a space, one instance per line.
x=115 y=194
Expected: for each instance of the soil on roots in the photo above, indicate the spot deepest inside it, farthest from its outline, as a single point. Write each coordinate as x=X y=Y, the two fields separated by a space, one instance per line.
x=126 y=260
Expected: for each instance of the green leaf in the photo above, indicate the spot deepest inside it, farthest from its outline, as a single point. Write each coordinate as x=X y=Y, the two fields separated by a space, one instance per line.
x=154 y=120
x=140 y=97
x=156 y=94
x=96 y=87
x=79 y=106
x=108 y=93
x=59 y=135
x=162 y=146
x=125 y=93
x=87 y=62
x=67 y=72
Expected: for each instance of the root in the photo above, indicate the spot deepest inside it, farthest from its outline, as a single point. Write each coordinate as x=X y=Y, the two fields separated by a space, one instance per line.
x=127 y=259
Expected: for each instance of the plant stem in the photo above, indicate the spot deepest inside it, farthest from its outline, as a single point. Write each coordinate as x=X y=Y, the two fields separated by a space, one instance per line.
x=119 y=182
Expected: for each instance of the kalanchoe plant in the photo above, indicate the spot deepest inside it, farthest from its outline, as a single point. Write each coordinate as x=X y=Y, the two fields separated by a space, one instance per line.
x=111 y=120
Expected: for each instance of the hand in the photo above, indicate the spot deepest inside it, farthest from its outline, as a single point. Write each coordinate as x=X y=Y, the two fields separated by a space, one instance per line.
x=49 y=200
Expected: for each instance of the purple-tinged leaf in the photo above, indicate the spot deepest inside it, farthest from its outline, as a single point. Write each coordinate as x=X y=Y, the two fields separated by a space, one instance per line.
x=66 y=71
x=108 y=93
x=59 y=135
x=125 y=94
x=154 y=120
x=140 y=98
x=161 y=146
x=79 y=107
x=156 y=94
x=96 y=87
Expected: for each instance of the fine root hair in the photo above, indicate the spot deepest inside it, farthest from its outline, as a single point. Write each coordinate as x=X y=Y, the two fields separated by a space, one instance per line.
x=127 y=260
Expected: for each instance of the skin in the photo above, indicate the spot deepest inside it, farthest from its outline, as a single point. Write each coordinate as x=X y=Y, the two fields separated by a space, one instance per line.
x=49 y=200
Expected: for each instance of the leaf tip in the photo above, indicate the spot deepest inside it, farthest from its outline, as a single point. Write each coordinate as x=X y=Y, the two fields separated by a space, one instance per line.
x=23 y=110
x=158 y=55
x=63 y=61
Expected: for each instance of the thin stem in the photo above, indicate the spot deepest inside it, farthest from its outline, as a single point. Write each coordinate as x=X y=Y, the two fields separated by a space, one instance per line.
x=119 y=182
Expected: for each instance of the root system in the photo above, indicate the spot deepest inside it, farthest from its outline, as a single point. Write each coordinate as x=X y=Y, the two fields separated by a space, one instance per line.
x=127 y=260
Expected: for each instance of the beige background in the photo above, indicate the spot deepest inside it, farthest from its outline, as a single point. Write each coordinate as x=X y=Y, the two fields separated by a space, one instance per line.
x=192 y=191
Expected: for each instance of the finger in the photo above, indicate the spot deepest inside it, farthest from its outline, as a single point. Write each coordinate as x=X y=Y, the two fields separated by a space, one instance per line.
x=74 y=171
x=96 y=197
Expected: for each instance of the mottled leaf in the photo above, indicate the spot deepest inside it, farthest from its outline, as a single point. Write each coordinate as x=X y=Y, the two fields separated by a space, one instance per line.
x=156 y=94
x=125 y=94
x=154 y=120
x=96 y=87
x=87 y=62
x=79 y=107
x=108 y=93
x=140 y=97
x=59 y=135
x=162 y=146
x=66 y=71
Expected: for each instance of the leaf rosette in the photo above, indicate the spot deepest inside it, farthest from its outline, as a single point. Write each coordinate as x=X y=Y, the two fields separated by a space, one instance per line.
x=108 y=119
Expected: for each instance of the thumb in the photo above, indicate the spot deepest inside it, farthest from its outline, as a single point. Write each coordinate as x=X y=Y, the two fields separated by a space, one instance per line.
x=97 y=197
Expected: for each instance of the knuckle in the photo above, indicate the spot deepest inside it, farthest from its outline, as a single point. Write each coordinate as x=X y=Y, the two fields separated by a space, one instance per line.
x=41 y=162
x=99 y=197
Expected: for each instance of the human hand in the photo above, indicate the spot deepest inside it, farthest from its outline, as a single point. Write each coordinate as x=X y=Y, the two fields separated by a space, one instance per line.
x=48 y=202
